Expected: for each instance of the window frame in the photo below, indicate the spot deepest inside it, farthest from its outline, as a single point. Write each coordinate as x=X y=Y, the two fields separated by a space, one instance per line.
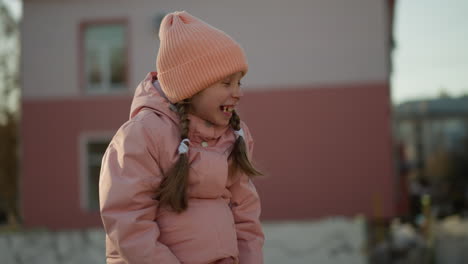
x=83 y=25
x=84 y=139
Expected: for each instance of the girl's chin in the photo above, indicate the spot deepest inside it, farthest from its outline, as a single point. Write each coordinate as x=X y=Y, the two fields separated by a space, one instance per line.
x=220 y=121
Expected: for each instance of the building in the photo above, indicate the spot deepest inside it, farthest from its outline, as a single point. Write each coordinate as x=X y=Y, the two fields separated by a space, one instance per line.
x=427 y=126
x=434 y=135
x=317 y=100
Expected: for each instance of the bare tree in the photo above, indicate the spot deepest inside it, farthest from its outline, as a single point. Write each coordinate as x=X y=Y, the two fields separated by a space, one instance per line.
x=9 y=114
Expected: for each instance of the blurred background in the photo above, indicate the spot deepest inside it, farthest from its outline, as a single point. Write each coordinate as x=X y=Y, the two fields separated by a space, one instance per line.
x=359 y=111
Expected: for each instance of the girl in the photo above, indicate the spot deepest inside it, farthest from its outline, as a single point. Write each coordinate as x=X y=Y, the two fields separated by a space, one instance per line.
x=175 y=183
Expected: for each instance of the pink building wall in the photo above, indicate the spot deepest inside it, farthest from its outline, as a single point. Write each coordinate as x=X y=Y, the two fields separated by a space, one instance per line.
x=325 y=151
x=325 y=147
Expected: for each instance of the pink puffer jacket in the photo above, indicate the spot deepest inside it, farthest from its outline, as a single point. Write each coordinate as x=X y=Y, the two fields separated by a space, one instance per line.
x=222 y=219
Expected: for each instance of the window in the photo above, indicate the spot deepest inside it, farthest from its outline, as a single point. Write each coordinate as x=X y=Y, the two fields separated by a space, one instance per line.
x=93 y=149
x=105 y=58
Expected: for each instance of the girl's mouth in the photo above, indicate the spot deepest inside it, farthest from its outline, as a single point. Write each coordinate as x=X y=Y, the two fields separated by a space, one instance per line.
x=227 y=109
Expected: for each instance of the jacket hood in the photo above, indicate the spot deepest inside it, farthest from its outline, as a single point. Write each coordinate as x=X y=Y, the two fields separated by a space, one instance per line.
x=148 y=94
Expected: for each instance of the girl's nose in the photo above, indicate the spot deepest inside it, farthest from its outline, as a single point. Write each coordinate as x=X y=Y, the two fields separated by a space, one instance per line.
x=238 y=93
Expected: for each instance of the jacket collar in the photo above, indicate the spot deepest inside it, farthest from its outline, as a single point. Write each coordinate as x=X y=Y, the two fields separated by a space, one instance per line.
x=199 y=129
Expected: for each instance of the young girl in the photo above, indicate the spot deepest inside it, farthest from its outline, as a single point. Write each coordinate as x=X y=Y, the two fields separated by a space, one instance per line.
x=175 y=184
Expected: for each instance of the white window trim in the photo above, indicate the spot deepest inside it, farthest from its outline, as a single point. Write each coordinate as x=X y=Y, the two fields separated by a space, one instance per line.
x=83 y=139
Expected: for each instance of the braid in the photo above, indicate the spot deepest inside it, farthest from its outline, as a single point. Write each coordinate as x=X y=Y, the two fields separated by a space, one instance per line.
x=182 y=111
x=172 y=191
x=240 y=160
x=235 y=121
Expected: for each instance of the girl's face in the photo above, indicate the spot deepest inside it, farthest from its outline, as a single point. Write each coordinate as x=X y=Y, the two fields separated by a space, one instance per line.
x=216 y=103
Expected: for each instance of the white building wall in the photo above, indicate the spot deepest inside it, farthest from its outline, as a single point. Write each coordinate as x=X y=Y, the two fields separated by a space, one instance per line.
x=288 y=43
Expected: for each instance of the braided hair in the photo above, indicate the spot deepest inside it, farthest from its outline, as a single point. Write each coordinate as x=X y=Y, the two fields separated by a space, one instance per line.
x=172 y=191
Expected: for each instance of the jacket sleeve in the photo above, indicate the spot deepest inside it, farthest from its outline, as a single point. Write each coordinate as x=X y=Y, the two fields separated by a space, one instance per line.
x=246 y=210
x=129 y=177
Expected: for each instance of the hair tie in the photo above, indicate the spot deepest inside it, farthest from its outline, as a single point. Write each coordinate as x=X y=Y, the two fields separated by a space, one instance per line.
x=183 y=148
x=239 y=133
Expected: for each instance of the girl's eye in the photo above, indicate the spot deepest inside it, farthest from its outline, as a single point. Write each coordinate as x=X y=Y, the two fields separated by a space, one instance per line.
x=228 y=84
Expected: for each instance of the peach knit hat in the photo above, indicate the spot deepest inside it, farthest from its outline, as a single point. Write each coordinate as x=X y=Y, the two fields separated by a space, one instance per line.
x=193 y=55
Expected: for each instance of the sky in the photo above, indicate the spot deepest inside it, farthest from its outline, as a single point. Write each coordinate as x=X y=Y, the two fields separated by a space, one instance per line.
x=12 y=101
x=431 y=51
x=15 y=7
